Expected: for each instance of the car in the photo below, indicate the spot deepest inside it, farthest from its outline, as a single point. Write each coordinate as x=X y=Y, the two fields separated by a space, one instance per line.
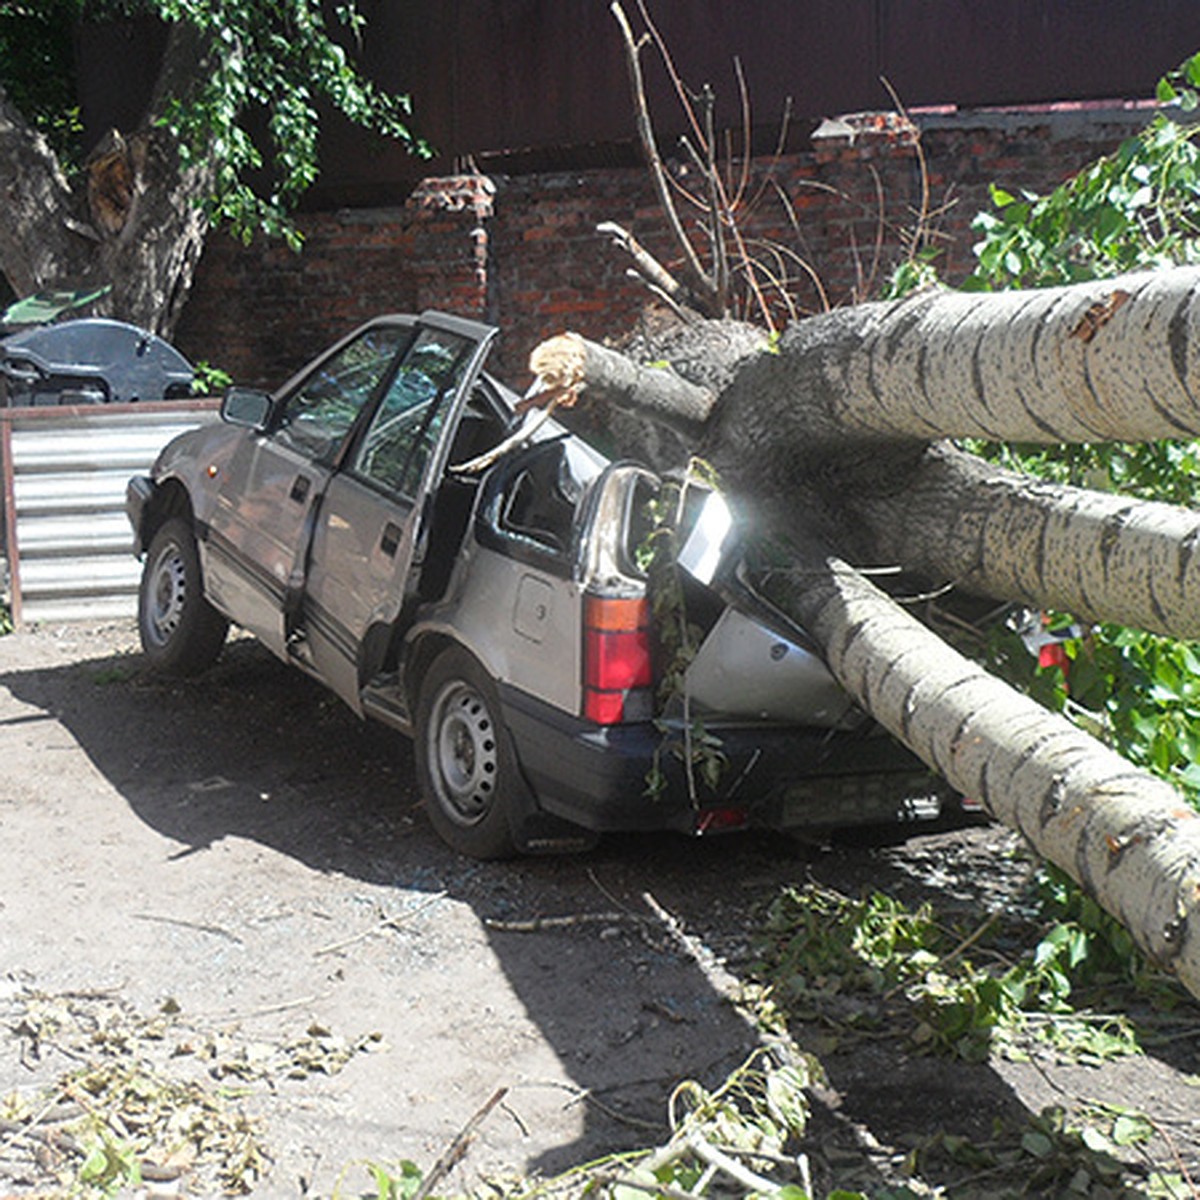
x=473 y=575
x=90 y=360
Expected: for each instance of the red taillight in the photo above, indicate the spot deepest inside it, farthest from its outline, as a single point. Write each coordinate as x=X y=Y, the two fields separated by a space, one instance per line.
x=721 y=820
x=616 y=658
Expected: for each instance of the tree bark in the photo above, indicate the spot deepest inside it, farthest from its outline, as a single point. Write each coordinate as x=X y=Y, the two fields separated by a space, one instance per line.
x=1111 y=360
x=132 y=219
x=1125 y=836
x=37 y=242
x=996 y=533
x=835 y=439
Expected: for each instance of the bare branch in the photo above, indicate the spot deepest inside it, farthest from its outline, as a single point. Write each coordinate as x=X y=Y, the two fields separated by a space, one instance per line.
x=570 y=361
x=697 y=277
x=645 y=264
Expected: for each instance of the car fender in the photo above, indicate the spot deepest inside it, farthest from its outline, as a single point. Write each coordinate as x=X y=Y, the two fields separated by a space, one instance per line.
x=197 y=461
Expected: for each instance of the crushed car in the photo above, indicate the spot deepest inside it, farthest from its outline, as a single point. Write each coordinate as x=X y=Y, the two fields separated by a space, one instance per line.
x=391 y=523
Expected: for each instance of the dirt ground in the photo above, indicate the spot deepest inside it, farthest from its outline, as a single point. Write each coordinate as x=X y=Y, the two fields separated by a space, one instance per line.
x=239 y=858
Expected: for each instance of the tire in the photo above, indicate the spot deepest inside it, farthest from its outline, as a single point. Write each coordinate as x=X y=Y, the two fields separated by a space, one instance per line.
x=465 y=764
x=181 y=632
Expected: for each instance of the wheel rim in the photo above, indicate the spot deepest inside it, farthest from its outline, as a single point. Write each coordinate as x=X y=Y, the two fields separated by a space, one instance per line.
x=463 y=753
x=167 y=594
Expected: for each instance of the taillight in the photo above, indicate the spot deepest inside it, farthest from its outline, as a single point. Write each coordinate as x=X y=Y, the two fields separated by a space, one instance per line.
x=617 y=669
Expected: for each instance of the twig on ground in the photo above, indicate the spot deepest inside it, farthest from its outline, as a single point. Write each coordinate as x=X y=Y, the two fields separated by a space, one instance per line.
x=580 y=1095
x=267 y=1009
x=19 y=1129
x=735 y=1170
x=539 y=924
x=458 y=1146
x=199 y=926
x=383 y=923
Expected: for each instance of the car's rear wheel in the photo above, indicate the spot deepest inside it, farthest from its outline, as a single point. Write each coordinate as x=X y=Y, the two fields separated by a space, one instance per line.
x=467 y=771
x=181 y=632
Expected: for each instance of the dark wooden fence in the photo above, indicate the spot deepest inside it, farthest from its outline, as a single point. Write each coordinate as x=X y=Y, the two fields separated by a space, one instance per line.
x=535 y=84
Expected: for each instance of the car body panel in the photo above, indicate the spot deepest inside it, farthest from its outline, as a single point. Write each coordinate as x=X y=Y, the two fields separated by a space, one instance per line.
x=369 y=540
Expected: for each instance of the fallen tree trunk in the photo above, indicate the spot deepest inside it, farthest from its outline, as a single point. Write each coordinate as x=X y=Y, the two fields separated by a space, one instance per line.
x=1126 y=837
x=834 y=438
x=996 y=533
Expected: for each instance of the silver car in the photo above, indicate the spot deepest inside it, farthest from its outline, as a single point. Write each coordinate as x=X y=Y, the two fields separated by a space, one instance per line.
x=387 y=523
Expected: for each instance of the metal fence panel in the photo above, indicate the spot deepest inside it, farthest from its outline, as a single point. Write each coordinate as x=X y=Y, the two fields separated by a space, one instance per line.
x=64 y=474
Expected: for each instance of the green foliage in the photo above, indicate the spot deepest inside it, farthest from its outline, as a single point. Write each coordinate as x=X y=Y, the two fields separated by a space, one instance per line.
x=208 y=380
x=265 y=70
x=685 y=736
x=1137 y=692
x=1136 y=208
x=872 y=961
x=37 y=66
x=399 y=1182
x=280 y=59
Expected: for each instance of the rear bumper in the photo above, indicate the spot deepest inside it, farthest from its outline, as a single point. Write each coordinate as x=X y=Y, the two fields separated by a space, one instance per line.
x=779 y=777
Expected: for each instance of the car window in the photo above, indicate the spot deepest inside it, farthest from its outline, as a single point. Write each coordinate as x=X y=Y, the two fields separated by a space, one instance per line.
x=406 y=426
x=318 y=415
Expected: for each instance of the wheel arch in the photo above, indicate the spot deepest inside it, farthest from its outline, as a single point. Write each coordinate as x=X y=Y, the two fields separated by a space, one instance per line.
x=170 y=499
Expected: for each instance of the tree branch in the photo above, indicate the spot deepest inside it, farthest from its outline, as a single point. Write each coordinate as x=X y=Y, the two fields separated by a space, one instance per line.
x=996 y=533
x=699 y=281
x=1124 y=835
x=645 y=264
x=572 y=362
x=1112 y=360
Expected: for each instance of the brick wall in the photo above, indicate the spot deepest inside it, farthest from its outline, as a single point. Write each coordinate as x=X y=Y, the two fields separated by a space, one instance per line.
x=523 y=252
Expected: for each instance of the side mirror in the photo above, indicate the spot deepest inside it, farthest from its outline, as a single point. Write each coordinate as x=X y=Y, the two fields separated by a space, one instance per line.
x=246 y=406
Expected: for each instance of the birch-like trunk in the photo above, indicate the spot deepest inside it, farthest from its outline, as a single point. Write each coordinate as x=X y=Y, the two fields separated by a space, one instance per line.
x=1124 y=835
x=1112 y=360
x=836 y=438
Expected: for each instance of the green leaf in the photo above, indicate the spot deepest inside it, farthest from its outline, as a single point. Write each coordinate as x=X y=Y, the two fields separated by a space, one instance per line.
x=1036 y=1144
x=1130 y=1129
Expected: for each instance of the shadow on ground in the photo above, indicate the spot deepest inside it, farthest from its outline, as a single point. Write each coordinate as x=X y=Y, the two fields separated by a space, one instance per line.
x=254 y=751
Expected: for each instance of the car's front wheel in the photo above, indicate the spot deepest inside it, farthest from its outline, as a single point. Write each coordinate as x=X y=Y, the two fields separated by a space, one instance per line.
x=467 y=772
x=181 y=632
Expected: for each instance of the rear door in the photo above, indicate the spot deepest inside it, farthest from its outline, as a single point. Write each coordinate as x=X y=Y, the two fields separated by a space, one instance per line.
x=270 y=494
x=371 y=541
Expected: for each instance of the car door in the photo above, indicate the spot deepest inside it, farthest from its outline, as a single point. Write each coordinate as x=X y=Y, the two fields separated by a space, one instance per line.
x=370 y=539
x=263 y=518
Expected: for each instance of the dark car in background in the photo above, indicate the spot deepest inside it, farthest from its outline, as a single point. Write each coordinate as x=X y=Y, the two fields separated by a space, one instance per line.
x=90 y=360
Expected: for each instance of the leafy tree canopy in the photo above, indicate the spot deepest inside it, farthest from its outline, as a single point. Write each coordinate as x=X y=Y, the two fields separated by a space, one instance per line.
x=1131 y=210
x=262 y=73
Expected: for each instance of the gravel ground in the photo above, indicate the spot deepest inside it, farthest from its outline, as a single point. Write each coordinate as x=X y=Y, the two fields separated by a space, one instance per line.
x=232 y=877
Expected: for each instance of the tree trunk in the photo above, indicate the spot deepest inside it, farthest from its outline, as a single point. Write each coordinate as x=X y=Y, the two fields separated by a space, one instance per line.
x=1100 y=556
x=131 y=219
x=833 y=439
x=1125 y=836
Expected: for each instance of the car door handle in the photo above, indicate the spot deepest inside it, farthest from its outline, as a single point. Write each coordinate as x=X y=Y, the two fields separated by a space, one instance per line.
x=299 y=488
x=390 y=542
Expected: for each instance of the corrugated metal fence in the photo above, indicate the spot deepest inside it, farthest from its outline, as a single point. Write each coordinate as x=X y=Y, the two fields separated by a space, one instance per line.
x=64 y=471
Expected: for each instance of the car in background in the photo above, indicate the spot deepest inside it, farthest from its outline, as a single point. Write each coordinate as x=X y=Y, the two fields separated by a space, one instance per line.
x=388 y=523
x=90 y=360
